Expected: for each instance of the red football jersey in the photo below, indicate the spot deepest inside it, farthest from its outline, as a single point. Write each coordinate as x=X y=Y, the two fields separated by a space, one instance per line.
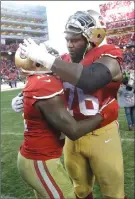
x=41 y=140
x=83 y=104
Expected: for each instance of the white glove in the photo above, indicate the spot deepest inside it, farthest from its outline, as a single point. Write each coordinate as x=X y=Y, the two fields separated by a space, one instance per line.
x=37 y=53
x=17 y=103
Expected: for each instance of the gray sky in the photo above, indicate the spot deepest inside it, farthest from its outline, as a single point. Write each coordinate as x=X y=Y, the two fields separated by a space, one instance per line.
x=58 y=13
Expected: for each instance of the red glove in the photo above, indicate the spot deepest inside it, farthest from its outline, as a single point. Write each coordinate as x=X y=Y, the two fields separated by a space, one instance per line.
x=109 y=111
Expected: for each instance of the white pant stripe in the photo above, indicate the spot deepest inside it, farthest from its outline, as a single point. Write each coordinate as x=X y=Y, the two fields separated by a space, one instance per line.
x=47 y=180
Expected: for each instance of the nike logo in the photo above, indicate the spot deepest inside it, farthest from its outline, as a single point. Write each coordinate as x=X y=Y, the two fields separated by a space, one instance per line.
x=46 y=80
x=106 y=141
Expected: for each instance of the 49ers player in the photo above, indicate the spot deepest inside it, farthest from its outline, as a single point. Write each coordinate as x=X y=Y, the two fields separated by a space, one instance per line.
x=96 y=71
x=45 y=117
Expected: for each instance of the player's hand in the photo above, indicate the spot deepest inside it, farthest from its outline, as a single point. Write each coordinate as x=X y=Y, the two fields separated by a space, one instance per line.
x=37 y=53
x=109 y=111
x=17 y=103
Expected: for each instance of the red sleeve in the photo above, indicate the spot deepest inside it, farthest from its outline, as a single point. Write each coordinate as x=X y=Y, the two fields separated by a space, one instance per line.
x=66 y=57
x=43 y=87
x=112 y=51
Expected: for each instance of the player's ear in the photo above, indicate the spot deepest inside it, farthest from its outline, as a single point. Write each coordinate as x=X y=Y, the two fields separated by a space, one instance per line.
x=38 y=65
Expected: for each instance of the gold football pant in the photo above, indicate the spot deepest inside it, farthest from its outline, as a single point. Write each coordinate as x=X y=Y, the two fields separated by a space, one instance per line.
x=49 y=179
x=99 y=155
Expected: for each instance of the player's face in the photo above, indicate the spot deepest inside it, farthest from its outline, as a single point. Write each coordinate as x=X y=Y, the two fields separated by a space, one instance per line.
x=76 y=45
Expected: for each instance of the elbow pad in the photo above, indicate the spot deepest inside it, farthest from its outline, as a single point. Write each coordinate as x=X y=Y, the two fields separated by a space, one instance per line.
x=94 y=77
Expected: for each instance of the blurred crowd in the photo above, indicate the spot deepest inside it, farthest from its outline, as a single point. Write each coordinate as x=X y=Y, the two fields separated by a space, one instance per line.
x=8 y=70
x=119 y=40
x=129 y=59
x=108 y=10
x=9 y=48
x=119 y=24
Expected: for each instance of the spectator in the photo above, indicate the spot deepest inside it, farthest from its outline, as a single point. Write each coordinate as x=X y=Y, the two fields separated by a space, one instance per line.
x=6 y=67
x=9 y=48
x=126 y=99
x=13 y=79
x=125 y=77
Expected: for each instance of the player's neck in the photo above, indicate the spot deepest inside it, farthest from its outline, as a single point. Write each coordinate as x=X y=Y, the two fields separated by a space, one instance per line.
x=76 y=59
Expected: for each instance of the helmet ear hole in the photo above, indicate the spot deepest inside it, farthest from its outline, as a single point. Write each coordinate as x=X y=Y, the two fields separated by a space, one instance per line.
x=38 y=65
x=98 y=36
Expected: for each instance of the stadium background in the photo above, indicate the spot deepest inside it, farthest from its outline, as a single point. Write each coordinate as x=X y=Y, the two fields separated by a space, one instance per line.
x=17 y=23
x=25 y=21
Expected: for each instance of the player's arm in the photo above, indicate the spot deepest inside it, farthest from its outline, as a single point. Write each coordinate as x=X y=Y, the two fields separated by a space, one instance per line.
x=90 y=78
x=54 y=111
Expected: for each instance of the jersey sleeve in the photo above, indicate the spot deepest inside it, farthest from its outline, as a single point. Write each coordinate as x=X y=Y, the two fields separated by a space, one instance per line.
x=112 y=51
x=66 y=57
x=43 y=87
x=48 y=87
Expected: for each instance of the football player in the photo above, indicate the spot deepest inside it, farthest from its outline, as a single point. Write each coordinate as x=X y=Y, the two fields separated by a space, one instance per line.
x=95 y=71
x=45 y=118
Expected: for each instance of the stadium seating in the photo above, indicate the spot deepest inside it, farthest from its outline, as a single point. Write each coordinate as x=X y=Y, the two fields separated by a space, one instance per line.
x=119 y=40
x=8 y=68
x=128 y=59
x=9 y=48
x=121 y=23
x=119 y=16
x=112 y=11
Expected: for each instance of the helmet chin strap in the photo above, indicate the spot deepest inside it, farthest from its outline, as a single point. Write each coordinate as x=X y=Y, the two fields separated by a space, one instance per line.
x=88 y=47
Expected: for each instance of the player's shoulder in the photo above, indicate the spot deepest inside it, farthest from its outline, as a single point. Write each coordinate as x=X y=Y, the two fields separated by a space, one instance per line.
x=43 y=86
x=110 y=50
x=108 y=47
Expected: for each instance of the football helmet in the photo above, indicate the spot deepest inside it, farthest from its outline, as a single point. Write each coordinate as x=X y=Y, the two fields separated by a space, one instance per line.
x=88 y=23
x=22 y=61
x=26 y=65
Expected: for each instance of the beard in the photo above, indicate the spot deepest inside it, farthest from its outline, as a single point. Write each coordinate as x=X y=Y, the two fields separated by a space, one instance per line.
x=77 y=56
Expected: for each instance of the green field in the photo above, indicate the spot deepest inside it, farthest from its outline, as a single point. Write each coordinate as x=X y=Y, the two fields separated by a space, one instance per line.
x=12 y=135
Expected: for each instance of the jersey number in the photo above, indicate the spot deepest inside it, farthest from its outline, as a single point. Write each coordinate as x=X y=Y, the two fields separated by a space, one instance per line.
x=88 y=104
